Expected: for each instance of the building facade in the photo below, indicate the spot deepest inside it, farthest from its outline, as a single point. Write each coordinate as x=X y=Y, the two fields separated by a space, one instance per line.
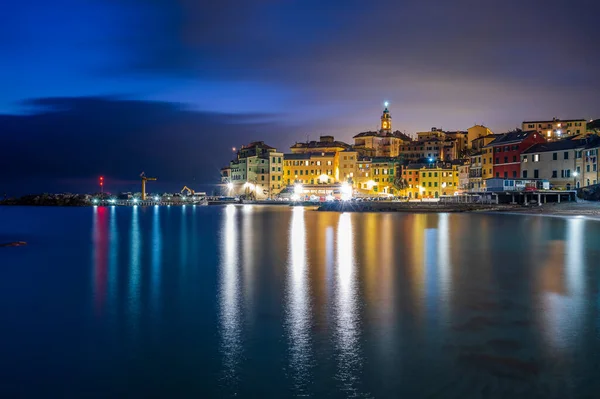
x=256 y=172
x=507 y=150
x=556 y=129
x=566 y=164
x=439 y=179
x=378 y=176
x=383 y=143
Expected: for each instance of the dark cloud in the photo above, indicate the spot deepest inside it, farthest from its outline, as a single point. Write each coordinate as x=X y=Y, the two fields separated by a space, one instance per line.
x=65 y=143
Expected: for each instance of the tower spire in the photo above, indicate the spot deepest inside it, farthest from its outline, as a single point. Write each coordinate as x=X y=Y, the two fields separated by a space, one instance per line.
x=386 y=120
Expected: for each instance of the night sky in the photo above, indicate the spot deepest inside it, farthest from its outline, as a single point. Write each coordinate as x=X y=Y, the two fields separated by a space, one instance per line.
x=117 y=87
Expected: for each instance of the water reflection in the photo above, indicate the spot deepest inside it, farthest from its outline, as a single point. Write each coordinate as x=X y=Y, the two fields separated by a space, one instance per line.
x=100 y=233
x=113 y=262
x=156 y=261
x=298 y=304
x=347 y=322
x=564 y=313
x=229 y=298
x=134 y=272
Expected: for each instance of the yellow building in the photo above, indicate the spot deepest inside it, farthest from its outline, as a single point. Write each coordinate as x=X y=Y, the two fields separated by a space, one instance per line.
x=475 y=132
x=410 y=175
x=347 y=166
x=378 y=176
x=438 y=180
x=311 y=168
x=557 y=129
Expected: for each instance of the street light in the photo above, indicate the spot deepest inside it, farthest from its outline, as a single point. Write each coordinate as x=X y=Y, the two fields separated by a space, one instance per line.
x=346 y=191
x=230 y=186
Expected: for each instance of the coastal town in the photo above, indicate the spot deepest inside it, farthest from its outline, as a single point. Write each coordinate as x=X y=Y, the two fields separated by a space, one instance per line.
x=555 y=155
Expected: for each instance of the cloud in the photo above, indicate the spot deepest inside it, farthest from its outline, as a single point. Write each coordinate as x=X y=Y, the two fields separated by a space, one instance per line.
x=63 y=140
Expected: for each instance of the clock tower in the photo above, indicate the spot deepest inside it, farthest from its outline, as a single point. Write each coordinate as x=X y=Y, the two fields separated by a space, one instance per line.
x=386 y=120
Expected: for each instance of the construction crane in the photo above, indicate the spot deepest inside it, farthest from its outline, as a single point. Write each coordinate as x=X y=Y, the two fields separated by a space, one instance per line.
x=189 y=190
x=144 y=180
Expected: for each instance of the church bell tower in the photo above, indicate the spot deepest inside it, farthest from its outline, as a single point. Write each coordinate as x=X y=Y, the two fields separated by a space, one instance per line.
x=386 y=120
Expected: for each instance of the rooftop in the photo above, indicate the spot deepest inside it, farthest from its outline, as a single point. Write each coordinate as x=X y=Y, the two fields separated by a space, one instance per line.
x=290 y=157
x=511 y=138
x=558 y=120
x=561 y=145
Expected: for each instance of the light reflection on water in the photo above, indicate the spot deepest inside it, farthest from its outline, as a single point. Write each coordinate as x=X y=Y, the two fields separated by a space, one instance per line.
x=230 y=299
x=371 y=304
x=347 y=332
x=298 y=313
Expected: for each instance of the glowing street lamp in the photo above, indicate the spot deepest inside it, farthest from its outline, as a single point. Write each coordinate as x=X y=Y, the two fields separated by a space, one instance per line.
x=230 y=186
x=346 y=191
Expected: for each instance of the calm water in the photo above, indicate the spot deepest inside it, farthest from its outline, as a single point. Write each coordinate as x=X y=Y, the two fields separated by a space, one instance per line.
x=279 y=302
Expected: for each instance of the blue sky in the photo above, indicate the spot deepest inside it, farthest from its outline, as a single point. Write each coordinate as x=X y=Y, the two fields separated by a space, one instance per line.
x=279 y=70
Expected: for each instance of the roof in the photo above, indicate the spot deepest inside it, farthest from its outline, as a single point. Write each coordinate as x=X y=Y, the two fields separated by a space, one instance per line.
x=307 y=155
x=511 y=138
x=257 y=144
x=558 y=120
x=397 y=134
x=562 y=145
x=321 y=144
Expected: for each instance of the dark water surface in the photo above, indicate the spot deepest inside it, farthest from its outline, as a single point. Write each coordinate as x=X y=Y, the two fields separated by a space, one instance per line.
x=280 y=302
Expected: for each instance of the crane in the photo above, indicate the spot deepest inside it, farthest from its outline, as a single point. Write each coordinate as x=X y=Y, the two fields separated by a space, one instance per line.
x=189 y=190
x=144 y=180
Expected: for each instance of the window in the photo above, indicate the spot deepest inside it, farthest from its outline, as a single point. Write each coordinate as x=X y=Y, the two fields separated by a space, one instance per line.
x=579 y=169
x=272 y=177
x=514 y=158
x=536 y=174
x=497 y=174
x=505 y=175
x=497 y=160
x=505 y=159
x=514 y=173
x=554 y=174
x=566 y=155
x=524 y=174
x=524 y=158
x=328 y=163
x=555 y=156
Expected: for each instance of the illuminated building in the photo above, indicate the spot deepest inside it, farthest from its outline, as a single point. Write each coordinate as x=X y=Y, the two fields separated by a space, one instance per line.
x=310 y=168
x=383 y=143
x=326 y=161
x=481 y=162
x=257 y=171
x=476 y=132
x=410 y=175
x=566 y=164
x=556 y=129
x=378 y=176
x=325 y=144
x=506 y=150
x=438 y=179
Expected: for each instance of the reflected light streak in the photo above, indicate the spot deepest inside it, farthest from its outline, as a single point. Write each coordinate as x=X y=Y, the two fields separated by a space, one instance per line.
x=134 y=271
x=156 y=261
x=100 y=233
x=113 y=262
x=229 y=298
x=564 y=313
x=298 y=304
x=443 y=262
x=347 y=328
